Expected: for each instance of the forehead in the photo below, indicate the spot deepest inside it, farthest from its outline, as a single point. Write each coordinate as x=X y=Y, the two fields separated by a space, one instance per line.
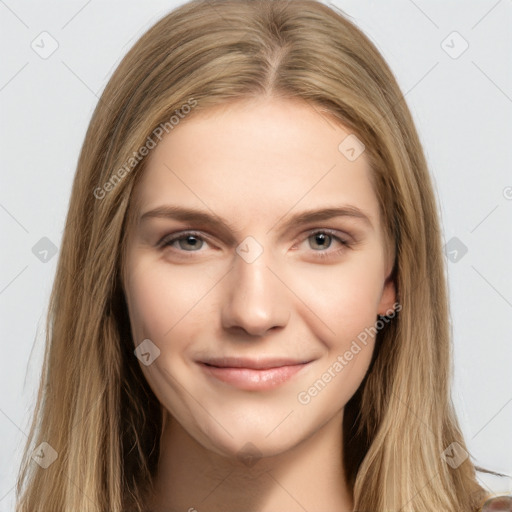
x=254 y=160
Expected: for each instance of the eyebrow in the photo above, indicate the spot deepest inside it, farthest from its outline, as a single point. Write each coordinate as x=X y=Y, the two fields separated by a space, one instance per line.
x=226 y=228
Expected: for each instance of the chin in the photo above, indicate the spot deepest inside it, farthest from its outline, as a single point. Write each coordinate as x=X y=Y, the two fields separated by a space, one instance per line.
x=249 y=443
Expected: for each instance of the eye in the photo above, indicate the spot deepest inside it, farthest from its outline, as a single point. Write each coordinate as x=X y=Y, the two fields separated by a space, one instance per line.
x=321 y=241
x=187 y=241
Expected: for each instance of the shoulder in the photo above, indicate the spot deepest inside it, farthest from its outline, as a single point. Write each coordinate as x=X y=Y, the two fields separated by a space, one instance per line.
x=498 y=504
x=499 y=498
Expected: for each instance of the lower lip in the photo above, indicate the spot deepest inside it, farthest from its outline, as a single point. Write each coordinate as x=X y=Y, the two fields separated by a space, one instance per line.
x=254 y=380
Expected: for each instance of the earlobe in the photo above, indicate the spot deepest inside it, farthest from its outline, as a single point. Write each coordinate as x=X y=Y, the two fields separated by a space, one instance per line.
x=388 y=298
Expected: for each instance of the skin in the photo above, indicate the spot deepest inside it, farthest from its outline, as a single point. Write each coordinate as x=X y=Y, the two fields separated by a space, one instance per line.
x=255 y=163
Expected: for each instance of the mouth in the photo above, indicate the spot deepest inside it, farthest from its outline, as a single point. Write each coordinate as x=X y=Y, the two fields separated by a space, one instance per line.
x=251 y=374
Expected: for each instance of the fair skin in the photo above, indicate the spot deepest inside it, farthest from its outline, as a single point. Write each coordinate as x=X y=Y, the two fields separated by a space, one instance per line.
x=255 y=164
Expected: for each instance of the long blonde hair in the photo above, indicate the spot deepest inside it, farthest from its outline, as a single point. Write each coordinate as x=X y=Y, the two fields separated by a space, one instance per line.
x=94 y=407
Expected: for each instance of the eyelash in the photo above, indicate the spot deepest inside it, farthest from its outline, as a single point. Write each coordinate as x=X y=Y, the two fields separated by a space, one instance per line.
x=170 y=239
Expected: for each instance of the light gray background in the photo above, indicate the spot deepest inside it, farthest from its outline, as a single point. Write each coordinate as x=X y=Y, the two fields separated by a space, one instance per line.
x=463 y=110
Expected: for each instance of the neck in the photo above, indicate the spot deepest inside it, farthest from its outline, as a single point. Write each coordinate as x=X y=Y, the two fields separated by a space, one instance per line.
x=308 y=477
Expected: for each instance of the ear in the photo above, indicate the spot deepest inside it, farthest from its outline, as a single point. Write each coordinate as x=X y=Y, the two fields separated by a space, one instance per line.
x=388 y=297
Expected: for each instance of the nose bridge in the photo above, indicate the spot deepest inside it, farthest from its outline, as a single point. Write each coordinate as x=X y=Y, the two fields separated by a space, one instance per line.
x=256 y=298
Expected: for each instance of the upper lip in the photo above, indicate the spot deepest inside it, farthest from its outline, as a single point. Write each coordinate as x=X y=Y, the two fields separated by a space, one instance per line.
x=254 y=364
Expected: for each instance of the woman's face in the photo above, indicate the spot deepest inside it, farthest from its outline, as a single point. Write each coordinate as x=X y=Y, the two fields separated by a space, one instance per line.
x=256 y=267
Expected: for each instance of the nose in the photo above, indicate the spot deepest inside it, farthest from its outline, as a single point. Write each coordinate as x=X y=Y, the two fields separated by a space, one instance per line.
x=257 y=300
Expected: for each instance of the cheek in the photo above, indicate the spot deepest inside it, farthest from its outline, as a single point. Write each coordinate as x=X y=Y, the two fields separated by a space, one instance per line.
x=345 y=308
x=163 y=306
x=160 y=300
x=343 y=299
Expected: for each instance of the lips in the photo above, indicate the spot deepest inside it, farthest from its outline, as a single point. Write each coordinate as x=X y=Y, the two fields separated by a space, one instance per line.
x=254 y=364
x=253 y=374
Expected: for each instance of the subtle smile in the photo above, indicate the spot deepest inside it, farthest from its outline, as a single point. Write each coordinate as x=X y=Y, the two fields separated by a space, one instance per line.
x=252 y=375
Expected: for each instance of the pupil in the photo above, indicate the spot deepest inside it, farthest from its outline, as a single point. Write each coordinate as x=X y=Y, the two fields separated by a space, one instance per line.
x=321 y=239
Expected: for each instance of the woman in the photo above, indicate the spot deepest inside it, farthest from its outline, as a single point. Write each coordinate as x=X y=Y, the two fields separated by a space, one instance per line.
x=204 y=351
